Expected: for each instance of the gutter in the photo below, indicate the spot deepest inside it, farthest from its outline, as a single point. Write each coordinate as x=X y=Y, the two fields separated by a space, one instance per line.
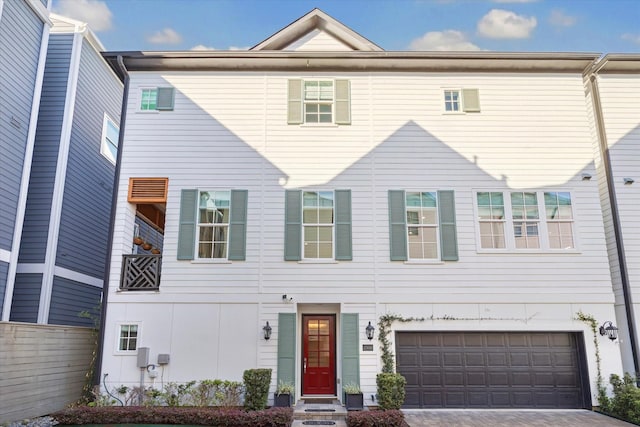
x=615 y=214
x=97 y=372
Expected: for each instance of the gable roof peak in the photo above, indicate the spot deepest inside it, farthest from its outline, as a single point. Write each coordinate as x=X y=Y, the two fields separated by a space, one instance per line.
x=316 y=20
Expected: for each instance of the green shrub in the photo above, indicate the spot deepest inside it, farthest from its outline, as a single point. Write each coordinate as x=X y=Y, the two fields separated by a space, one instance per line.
x=274 y=417
x=390 y=390
x=175 y=394
x=625 y=402
x=217 y=393
x=391 y=418
x=256 y=382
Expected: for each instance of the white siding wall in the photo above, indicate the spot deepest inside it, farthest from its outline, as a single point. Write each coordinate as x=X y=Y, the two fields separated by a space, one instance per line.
x=621 y=113
x=229 y=131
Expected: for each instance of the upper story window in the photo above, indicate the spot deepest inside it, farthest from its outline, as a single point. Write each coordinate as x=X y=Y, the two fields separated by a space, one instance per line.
x=317 y=225
x=513 y=220
x=319 y=101
x=461 y=100
x=213 y=224
x=157 y=99
x=317 y=222
x=422 y=224
x=109 y=145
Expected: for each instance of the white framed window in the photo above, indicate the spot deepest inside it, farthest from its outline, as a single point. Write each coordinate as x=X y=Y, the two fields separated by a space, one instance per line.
x=148 y=99
x=214 y=209
x=110 y=134
x=461 y=100
x=128 y=337
x=513 y=220
x=318 y=224
x=318 y=101
x=422 y=225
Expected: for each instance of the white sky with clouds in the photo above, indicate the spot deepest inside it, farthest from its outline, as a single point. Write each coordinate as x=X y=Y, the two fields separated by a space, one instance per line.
x=501 y=25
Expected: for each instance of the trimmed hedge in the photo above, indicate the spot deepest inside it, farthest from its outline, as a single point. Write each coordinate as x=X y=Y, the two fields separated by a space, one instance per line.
x=391 y=418
x=391 y=390
x=274 y=417
x=256 y=388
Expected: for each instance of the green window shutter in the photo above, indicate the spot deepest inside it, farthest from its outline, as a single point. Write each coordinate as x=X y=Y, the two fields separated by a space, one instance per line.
x=294 y=102
x=238 y=225
x=471 y=100
x=397 y=226
x=187 y=228
x=343 y=103
x=293 y=225
x=350 y=343
x=165 y=98
x=343 y=225
x=447 y=217
x=287 y=347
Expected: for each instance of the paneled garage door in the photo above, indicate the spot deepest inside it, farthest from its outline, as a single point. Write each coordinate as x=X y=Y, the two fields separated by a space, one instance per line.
x=493 y=370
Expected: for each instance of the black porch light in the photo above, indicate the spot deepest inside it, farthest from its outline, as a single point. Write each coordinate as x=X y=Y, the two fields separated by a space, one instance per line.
x=266 y=329
x=369 y=331
x=609 y=330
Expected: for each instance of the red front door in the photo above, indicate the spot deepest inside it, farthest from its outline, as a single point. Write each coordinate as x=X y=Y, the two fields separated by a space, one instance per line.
x=319 y=354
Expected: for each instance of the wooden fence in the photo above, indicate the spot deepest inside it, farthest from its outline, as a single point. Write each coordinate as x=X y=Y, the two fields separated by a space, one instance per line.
x=42 y=368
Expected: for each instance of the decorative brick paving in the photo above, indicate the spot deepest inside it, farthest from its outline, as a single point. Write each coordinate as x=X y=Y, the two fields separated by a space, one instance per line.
x=509 y=418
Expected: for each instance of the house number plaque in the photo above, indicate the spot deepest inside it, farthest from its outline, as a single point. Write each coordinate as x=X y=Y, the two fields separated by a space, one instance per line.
x=367 y=347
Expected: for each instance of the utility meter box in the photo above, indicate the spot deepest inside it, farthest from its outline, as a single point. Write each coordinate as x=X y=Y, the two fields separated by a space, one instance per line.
x=143 y=357
x=163 y=359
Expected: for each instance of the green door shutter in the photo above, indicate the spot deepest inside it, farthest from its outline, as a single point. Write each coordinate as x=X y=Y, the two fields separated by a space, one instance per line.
x=397 y=226
x=187 y=228
x=350 y=343
x=343 y=225
x=447 y=216
x=294 y=102
x=165 y=99
x=343 y=103
x=287 y=347
x=238 y=225
x=293 y=225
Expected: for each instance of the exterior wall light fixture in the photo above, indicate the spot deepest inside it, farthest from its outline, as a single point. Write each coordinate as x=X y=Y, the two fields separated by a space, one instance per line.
x=369 y=331
x=586 y=177
x=628 y=181
x=266 y=329
x=609 y=330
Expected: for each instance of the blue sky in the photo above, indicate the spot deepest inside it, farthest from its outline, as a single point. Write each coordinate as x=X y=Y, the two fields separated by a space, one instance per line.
x=605 y=26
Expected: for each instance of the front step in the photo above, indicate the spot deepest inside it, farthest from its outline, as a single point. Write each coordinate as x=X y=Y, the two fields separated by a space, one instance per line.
x=323 y=411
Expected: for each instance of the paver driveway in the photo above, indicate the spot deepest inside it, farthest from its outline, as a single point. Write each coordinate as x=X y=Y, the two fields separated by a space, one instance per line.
x=509 y=418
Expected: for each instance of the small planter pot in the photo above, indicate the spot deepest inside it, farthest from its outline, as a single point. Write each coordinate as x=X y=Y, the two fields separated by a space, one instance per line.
x=282 y=400
x=354 y=402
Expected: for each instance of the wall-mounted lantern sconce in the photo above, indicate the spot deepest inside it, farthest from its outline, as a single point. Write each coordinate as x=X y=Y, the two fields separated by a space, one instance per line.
x=628 y=181
x=369 y=331
x=609 y=330
x=586 y=177
x=266 y=329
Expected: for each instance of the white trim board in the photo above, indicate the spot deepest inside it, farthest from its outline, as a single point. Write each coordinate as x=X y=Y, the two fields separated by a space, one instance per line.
x=65 y=273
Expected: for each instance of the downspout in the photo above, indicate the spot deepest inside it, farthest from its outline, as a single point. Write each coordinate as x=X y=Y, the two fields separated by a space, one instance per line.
x=97 y=372
x=615 y=215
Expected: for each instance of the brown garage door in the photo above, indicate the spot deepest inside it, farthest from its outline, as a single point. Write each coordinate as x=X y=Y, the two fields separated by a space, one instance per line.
x=493 y=369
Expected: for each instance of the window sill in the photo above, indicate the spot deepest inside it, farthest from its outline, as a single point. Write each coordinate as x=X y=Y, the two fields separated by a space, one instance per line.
x=148 y=111
x=211 y=261
x=125 y=353
x=453 y=113
x=319 y=125
x=424 y=262
x=529 y=251
x=318 y=261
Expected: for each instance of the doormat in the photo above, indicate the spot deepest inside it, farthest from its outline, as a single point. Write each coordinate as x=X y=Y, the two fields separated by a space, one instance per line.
x=326 y=401
x=319 y=410
x=319 y=423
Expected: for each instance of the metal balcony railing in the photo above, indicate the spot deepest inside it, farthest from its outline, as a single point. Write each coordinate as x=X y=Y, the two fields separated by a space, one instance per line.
x=140 y=272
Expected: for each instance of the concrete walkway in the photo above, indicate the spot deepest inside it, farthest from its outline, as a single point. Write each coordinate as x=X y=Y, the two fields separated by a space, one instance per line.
x=509 y=418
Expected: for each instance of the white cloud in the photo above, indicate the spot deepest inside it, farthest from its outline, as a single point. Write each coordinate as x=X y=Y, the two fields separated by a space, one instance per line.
x=633 y=38
x=559 y=19
x=165 y=36
x=238 y=48
x=442 y=40
x=504 y=24
x=203 y=47
x=96 y=13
